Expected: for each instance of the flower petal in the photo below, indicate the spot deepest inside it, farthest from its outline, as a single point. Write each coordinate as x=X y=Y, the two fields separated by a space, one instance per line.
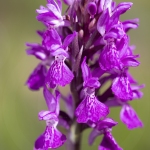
x=129 y=117
x=109 y=58
x=85 y=70
x=47 y=115
x=51 y=138
x=59 y=73
x=70 y=105
x=101 y=126
x=51 y=40
x=109 y=143
x=37 y=50
x=37 y=77
x=92 y=8
x=121 y=87
x=90 y=109
x=69 y=39
x=102 y=22
x=130 y=24
x=106 y=123
x=51 y=100
x=122 y=8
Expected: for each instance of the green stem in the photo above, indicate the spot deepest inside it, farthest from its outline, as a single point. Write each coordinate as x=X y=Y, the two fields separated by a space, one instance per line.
x=74 y=137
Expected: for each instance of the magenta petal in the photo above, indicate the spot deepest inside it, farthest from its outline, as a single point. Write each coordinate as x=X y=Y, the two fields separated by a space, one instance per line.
x=101 y=126
x=122 y=8
x=104 y=4
x=89 y=81
x=56 y=3
x=93 y=135
x=63 y=123
x=51 y=138
x=107 y=5
x=106 y=123
x=102 y=22
x=129 y=117
x=70 y=105
x=67 y=76
x=121 y=88
x=109 y=143
x=69 y=39
x=92 y=8
x=68 y=2
x=38 y=145
x=85 y=70
x=136 y=93
x=51 y=100
x=51 y=38
x=37 y=77
x=130 y=24
x=90 y=109
x=47 y=115
x=37 y=50
x=50 y=15
x=58 y=51
x=131 y=79
x=109 y=58
x=92 y=82
x=59 y=73
x=130 y=61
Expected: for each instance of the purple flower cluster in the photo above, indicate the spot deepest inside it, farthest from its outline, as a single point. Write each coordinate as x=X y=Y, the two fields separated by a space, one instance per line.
x=85 y=48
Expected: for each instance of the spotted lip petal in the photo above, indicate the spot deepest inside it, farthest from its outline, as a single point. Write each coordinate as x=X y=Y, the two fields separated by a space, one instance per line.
x=90 y=109
x=121 y=87
x=59 y=73
x=109 y=58
x=51 y=138
x=129 y=117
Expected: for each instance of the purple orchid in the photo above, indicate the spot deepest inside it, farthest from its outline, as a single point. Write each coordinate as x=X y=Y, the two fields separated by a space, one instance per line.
x=52 y=137
x=90 y=109
x=59 y=73
x=51 y=16
x=104 y=127
x=85 y=49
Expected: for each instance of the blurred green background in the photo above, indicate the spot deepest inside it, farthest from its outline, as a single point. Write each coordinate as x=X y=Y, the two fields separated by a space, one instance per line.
x=19 y=125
